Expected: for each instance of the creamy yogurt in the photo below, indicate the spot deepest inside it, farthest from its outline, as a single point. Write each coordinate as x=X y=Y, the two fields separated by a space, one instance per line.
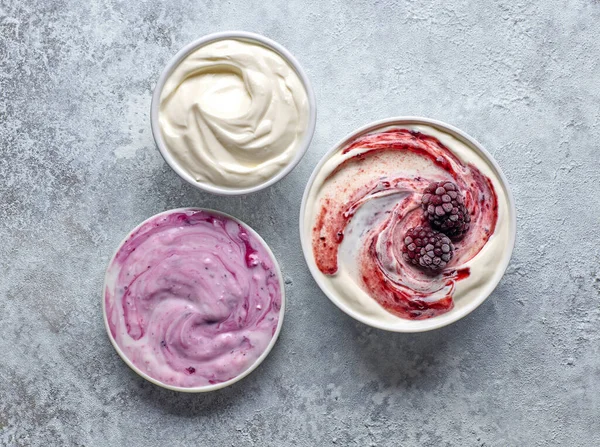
x=367 y=194
x=233 y=113
x=193 y=298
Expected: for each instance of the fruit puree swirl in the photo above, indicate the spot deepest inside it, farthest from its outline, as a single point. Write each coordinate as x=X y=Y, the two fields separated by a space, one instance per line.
x=193 y=298
x=374 y=196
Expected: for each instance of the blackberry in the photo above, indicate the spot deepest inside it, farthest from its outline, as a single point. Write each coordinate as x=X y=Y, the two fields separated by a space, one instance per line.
x=427 y=249
x=444 y=207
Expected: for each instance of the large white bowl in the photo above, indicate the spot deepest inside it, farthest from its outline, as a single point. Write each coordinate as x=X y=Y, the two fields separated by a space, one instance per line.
x=182 y=54
x=216 y=386
x=458 y=312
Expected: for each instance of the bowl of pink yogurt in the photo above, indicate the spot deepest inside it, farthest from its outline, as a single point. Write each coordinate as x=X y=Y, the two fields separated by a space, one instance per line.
x=193 y=300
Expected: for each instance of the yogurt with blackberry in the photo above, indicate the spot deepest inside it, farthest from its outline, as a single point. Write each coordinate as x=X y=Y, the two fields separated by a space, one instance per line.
x=193 y=298
x=405 y=222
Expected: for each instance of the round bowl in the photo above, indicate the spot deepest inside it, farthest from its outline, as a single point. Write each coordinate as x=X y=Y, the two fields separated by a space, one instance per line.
x=206 y=388
x=458 y=312
x=182 y=54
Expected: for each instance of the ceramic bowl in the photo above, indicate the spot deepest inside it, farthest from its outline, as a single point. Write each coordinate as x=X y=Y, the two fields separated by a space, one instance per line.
x=181 y=55
x=215 y=386
x=461 y=307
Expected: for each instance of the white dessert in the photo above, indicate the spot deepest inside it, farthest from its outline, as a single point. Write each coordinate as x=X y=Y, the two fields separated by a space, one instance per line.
x=233 y=113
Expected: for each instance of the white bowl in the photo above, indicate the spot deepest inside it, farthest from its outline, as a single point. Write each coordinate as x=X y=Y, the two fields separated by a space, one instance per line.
x=458 y=312
x=216 y=386
x=182 y=54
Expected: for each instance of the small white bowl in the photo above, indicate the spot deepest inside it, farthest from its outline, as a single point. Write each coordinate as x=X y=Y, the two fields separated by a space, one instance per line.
x=217 y=386
x=400 y=324
x=182 y=54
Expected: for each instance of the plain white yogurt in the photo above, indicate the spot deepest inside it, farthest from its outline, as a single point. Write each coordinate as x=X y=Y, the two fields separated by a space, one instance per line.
x=233 y=113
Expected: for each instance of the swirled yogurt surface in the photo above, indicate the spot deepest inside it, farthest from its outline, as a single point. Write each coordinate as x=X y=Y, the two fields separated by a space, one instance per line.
x=233 y=113
x=192 y=298
x=366 y=196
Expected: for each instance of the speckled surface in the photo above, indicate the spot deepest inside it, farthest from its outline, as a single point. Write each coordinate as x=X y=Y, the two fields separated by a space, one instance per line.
x=79 y=169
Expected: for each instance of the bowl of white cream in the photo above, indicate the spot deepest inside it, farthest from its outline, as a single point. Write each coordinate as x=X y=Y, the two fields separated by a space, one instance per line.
x=233 y=113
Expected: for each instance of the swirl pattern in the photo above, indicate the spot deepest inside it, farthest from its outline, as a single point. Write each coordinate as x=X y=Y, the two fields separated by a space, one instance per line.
x=373 y=196
x=233 y=113
x=192 y=298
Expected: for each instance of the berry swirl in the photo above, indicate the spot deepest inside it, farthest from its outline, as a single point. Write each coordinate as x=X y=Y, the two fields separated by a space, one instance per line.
x=368 y=195
x=192 y=298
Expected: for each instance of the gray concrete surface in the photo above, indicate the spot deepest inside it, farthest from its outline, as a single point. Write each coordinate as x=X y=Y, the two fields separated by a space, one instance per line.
x=79 y=169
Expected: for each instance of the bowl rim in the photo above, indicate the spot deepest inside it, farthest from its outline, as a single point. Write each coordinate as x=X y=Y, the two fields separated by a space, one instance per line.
x=206 y=388
x=205 y=40
x=429 y=324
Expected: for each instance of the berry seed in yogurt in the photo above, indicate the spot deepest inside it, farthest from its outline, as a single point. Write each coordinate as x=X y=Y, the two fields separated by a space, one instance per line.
x=193 y=298
x=405 y=222
x=233 y=114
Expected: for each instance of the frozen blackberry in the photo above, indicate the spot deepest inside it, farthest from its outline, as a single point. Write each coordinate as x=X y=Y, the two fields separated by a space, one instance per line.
x=427 y=249
x=444 y=207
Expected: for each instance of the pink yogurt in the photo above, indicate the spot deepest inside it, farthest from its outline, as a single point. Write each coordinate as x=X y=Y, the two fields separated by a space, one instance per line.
x=193 y=298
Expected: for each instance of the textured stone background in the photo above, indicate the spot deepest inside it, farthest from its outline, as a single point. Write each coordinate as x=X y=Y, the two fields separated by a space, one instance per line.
x=79 y=169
